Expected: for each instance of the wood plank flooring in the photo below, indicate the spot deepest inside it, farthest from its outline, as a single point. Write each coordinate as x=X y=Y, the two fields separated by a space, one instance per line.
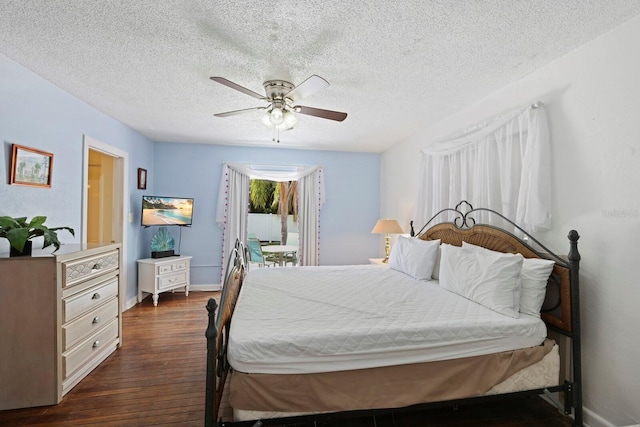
x=157 y=379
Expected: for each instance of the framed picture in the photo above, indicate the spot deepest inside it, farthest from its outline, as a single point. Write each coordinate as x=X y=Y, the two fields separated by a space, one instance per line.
x=31 y=167
x=142 y=179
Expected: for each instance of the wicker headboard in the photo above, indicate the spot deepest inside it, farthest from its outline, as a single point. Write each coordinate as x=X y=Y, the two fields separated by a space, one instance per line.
x=562 y=286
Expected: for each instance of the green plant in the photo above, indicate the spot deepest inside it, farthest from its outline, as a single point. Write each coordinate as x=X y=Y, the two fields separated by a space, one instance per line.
x=17 y=231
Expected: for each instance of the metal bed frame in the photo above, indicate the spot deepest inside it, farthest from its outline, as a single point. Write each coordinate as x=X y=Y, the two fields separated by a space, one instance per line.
x=561 y=313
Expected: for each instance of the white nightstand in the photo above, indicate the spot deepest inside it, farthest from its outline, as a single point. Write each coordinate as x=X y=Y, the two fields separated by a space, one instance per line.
x=377 y=261
x=157 y=275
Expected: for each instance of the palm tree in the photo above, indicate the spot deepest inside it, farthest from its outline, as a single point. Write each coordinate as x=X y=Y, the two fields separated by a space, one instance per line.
x=261 y=193
x=36 y=171
x=283 y=198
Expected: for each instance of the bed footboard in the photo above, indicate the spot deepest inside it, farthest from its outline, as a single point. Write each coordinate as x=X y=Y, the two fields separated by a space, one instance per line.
x=217 y=334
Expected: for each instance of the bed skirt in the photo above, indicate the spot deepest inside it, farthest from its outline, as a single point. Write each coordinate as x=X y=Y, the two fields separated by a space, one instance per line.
x=256 y=396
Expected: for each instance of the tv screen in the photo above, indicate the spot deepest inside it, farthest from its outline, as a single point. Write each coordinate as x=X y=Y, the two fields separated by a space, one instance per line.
x=166 y=210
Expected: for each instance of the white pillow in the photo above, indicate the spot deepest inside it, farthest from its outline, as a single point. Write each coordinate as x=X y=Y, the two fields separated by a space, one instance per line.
x=490 y=279
x=436 y=268
x=413 y=256
x=535 y=274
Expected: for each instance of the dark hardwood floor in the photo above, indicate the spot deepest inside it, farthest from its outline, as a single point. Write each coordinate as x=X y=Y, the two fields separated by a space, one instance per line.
x=157 y=379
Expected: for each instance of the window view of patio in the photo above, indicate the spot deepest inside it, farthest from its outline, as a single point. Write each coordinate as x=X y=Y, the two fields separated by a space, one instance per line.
x=273 y=223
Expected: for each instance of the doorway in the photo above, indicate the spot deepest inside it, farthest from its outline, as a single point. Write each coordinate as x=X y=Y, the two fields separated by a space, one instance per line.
x=100 y=203
x=105 y=207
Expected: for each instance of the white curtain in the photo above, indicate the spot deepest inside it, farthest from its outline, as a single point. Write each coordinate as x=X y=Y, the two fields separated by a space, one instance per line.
x=232 y=211
x=311 y=199
x=501 y=165
x=233 y=204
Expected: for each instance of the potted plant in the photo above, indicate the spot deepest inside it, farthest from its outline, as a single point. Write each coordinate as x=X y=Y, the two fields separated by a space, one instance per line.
x=19 y=233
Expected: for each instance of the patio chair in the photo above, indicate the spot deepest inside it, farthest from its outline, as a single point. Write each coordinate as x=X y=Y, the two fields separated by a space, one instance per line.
x=255 y=254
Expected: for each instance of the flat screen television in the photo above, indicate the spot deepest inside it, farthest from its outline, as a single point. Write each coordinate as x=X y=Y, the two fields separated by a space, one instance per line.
x=158 y=210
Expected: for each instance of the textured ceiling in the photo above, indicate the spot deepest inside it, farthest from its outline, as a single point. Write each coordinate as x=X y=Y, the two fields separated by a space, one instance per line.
x=394 y=66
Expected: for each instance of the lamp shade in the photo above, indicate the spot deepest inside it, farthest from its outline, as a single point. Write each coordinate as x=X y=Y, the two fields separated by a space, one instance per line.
x=387 y=226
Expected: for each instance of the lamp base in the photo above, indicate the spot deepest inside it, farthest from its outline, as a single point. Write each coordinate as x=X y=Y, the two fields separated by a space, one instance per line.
x=387 y=249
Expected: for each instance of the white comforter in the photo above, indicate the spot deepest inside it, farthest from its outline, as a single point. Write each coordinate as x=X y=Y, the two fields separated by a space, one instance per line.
x=323 y=319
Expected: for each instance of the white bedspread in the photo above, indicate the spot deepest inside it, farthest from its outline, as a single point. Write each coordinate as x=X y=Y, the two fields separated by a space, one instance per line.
x=323 y=319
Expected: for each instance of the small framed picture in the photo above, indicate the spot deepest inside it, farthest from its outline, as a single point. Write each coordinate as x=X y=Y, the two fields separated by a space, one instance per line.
x=142 y=179
x=31 y=167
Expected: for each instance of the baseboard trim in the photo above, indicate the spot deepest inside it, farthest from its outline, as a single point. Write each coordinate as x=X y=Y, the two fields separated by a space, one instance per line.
x=130 y=303
x=592 y=419
x=192 y=288
x=205 y=288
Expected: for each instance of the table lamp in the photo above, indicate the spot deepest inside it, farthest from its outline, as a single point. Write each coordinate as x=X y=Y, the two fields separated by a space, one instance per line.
x=386 y=227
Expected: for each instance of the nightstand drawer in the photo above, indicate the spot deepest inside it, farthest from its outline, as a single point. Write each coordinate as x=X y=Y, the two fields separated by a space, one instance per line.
x=89 y=299
x=165 y=268
x=83 y=352
x=172 y=267
x=89 y=323
x=86 y=268
x=172 y=280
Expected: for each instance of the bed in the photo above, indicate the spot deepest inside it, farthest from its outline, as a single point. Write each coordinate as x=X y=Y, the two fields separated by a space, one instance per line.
x=395 y=339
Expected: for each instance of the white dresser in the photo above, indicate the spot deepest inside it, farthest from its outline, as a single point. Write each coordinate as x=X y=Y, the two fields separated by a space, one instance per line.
x=60 y=317
x=157 y=275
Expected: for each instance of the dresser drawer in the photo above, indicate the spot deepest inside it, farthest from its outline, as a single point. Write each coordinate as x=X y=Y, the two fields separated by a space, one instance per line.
x=74 y=359
x=172 y=281
x=85 y=268
x=87 y=324
x=89 y=299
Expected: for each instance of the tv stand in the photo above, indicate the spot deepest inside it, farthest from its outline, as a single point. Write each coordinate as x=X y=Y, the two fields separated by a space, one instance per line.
x=157 y=275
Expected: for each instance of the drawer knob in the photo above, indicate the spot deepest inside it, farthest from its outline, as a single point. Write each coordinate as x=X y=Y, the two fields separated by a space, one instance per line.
x=96 y=296
x=96 y=266
x=96 y=343
x=96 y=319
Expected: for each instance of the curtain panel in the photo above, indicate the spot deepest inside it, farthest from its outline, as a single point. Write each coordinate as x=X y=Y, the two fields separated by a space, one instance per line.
x=232 y=213
x=311 y=199
x=502 y=165
x=233 y=205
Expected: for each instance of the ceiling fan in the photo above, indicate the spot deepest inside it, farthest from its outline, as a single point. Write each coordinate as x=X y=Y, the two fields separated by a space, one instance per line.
x=281 y=97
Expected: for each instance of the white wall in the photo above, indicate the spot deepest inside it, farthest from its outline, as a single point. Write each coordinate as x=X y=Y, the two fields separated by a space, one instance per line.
x=592 y=96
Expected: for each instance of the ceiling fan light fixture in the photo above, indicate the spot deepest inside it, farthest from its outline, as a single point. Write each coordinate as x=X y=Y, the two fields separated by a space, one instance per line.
x=289 y=121
x=280 y=95
x=277 y=116
x=266 y=119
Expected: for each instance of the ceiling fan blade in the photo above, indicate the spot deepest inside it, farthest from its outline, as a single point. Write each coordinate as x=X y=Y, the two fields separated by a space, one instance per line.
x=318 y=112
x=236 y=112
x=237 y=87
x=307 y=88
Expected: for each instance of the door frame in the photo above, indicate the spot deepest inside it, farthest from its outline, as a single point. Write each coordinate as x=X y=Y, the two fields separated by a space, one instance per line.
x=121 y=183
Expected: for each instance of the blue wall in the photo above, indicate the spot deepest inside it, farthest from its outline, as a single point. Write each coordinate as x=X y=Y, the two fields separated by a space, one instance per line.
x=35 y=113
x=38 y=114
x=346 y=219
